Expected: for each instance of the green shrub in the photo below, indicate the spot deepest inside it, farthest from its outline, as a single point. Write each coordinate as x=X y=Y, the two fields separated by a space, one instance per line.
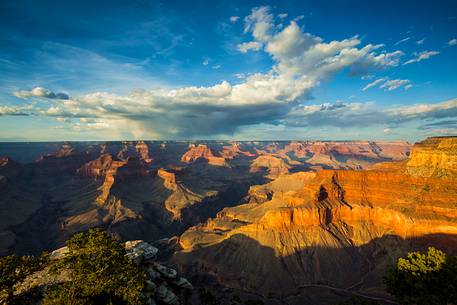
x=100 y=273
x=423 y=278
x=14 y=269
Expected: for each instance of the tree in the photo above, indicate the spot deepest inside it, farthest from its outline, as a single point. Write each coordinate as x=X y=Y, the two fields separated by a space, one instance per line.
x=14 y=269
x=100 y=273
x=423 y=278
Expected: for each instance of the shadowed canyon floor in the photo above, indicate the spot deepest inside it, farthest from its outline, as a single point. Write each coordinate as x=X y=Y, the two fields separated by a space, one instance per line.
x=290 y=222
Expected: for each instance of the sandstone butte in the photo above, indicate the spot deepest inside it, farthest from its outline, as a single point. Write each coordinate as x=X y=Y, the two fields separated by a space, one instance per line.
x=305 y=236
x=202 y=151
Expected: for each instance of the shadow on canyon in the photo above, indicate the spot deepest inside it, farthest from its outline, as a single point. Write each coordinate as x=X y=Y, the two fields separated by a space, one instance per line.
x=45 y=229
x=313 y=275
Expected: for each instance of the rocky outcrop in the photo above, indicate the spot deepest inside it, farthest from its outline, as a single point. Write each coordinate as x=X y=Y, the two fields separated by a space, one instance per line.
x=203 y=152
x=163 y=284
x=180 y=197
x=100 y=167
x=435 y=156
x=143 y=150
x=233 y=151
x=274 y=165
x=66 y=160
x=348 y=154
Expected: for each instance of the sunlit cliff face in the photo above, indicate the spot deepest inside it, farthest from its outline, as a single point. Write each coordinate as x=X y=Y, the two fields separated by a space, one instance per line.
x=311 y=227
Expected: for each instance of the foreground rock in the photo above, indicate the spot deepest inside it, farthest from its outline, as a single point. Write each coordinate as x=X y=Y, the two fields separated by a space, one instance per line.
x=162 y=286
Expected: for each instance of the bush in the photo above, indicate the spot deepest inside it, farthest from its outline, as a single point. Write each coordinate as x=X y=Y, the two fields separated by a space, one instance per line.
x=14 y=269
x=424 y=278
x=100 y=273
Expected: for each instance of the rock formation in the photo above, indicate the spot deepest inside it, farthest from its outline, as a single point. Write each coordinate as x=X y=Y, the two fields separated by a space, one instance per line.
x=332 y=230
x=347 y=155
x=233 y=151
x=274 y=165
x=203 y=152
x=434 y=157
x=141 y=189
x=180 y=197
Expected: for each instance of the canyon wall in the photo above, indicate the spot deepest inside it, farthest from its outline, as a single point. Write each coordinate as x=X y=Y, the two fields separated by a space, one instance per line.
x=332 y=230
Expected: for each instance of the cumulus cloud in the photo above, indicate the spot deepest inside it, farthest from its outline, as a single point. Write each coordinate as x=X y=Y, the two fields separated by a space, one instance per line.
x=240 y=75
x=387 y=131
x=13 y=110
x=421 y=56
x=301 y=62
x=41 y=92
x=452 y=42
x=249 y=46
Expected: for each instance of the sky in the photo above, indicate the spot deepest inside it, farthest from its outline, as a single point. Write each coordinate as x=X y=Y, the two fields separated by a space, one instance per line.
x=236 y=70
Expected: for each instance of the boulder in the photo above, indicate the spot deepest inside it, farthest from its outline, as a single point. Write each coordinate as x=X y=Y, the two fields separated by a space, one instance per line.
x=153 y=274
x=182 y=283
x=165 y=295
x=59 y=253
x=165 y=271
x=140 y=251
x=150 y=286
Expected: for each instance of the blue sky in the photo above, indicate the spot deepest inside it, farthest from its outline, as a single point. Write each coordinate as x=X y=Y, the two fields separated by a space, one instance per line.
x=111 y=70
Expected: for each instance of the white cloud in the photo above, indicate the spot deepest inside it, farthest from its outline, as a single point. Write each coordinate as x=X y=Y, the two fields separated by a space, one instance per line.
x=234 y=19
x=402 y=41
x=395 y=84
x=216 y=67
x=422 y=56
x=373 y=84
x=249 y=46
x=421 y=41
x=452 y=42
x=240 y=75
x=389 y=85
x=205 y=62
x=301 y=61
x=41 y=92
x=283 y=15
x=13 y=110
x=369 y=114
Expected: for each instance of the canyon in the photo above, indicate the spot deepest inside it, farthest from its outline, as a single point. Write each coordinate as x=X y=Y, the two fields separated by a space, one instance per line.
x=292 y=222
x=309 y=237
